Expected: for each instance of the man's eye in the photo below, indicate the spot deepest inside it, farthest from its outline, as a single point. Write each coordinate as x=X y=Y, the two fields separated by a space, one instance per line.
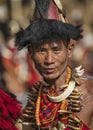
x=41 y=50
x=56 y=50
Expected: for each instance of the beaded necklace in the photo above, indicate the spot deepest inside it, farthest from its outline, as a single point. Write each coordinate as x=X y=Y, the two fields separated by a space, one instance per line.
x=63 y=104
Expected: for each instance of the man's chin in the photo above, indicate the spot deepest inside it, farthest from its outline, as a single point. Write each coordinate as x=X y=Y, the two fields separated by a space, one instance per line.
x=49 y=79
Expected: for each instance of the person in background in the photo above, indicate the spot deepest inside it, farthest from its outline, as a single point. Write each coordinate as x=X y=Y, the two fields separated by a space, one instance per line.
x=18 y=65
x=10 y=107
x=62 y=100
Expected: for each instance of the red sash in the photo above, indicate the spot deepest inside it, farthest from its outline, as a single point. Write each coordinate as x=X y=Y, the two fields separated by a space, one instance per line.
x=49 y=113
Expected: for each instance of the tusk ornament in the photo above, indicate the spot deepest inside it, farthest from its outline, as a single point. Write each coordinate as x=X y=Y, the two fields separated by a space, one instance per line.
x=64 y=95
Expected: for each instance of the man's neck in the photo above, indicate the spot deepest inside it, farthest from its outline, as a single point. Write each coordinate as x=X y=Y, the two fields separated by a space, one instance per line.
x=59 y=83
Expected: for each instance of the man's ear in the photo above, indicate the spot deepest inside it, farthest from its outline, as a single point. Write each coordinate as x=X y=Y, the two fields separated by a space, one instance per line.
x=70 y=49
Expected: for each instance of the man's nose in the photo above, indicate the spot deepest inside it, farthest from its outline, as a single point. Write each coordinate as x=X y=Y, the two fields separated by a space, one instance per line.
x=49 y=57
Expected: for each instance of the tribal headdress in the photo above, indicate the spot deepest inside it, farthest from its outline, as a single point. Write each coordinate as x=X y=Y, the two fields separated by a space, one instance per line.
x=49 y=24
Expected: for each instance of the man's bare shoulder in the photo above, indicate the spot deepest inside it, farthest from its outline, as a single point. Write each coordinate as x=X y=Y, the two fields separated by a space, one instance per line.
x=85 y=86
x=88 y=83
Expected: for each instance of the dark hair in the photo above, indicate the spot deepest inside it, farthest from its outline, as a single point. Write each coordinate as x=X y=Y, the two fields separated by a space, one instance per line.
x=4 y=28
x=2 y=70
x=43 y=30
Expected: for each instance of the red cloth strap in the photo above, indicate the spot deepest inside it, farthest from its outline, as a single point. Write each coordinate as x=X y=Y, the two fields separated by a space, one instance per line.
x=85 y=127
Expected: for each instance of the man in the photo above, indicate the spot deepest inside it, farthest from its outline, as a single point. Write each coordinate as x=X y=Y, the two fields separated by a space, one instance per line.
x=55 y=103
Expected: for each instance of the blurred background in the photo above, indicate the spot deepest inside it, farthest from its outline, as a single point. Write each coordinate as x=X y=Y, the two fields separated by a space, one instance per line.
x=17 y=72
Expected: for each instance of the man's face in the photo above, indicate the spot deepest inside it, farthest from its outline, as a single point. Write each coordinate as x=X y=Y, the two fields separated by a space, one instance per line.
x=50 y=59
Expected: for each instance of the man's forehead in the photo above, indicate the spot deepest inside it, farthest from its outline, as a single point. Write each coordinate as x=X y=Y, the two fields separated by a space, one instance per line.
x=49 y=43
x=52 y=43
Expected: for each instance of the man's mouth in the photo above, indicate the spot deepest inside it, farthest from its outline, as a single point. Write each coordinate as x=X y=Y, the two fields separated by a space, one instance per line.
x=49 y=70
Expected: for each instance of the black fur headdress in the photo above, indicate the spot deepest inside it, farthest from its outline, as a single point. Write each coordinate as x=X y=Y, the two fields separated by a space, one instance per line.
x=43 y=30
